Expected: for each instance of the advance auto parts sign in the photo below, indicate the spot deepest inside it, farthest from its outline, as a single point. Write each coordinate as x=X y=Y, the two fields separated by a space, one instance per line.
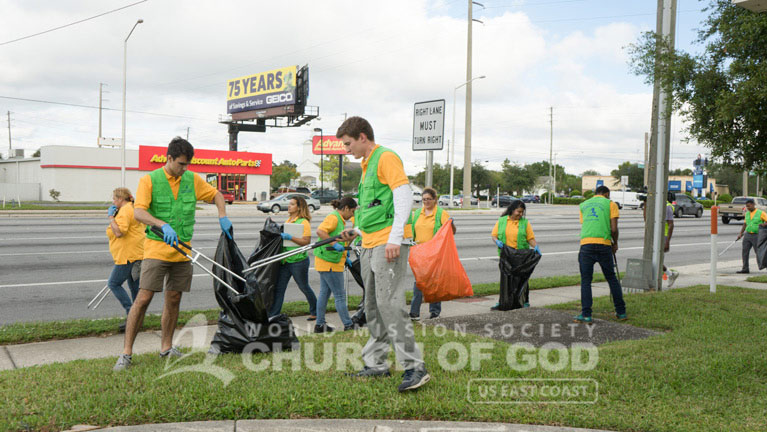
x=330 y=146
x=264 y=90
x=209 y=161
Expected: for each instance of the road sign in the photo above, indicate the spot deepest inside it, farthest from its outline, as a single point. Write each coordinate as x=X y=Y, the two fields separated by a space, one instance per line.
x=428 y=125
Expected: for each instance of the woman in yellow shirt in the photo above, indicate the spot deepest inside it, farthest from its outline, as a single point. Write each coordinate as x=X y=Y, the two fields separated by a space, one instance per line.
x=296 y=266
x=426 y=222
x=507 y=232
x=126 y=243
x=330 y=264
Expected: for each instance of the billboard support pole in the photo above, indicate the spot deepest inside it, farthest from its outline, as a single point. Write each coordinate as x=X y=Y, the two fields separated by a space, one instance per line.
x=429 y=168
x=340 y=174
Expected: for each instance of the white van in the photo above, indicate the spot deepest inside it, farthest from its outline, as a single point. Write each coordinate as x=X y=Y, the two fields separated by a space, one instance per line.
x=625 y=199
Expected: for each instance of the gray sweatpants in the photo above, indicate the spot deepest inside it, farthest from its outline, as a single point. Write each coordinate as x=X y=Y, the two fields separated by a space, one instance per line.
x=385 y=310
x=749 y=242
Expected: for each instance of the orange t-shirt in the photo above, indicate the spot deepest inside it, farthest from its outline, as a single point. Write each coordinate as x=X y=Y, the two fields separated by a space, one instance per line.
x=155 y=249
x=130 y=246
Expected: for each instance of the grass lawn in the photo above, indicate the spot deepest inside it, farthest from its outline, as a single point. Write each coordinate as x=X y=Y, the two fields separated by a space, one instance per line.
x=701 y=374
x=50 y=330
x=762 y=279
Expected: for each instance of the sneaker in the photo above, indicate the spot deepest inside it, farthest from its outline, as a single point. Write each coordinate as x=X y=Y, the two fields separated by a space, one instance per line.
x=526 y=305
x=415 y=317
x=496 y=307
x=324 y=328
x=172 y=352
x=414 y=378
x=433 y=315
x=621 y=317
x=123 y=362
x=121 y=328
x=672 y=278
x=583 y=319
x=367 y=372
x=743 y=271
x=352 y=326
x=312 y=318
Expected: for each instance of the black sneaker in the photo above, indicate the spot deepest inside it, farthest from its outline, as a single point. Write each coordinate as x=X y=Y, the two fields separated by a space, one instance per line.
x=352 y=326
x=415 y=317
x=324 y=328
x=743 y=271
x=496 y=307
x=367 y=372
x=121 y=328
x=433 y=315
x=414 y=378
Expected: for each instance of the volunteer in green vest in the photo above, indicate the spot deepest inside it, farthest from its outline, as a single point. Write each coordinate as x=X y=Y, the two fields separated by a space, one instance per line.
x=754 y=218
x=426 y=222
x=296 y=266
x=514 y=230
x=167 y=198
x=385 y=202
x=330 y=264
x=599 y=242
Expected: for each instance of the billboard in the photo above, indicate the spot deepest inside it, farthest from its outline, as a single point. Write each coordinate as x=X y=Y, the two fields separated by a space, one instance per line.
x=209 y=161
x=675 y=185
x=330 y=146
x=697 y=181
x=263 y=90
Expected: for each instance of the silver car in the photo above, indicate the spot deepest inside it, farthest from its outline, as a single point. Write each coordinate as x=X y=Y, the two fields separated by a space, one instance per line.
x=281 y=202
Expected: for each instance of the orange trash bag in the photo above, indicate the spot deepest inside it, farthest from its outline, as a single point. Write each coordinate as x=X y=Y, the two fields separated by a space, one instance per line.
x=438 y=272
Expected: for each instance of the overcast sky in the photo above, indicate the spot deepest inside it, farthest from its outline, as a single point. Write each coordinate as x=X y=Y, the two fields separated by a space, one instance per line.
x=369 y=58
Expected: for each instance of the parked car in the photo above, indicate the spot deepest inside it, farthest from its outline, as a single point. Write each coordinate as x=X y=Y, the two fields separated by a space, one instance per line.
x=228 y=196
x=530 y=199
x=280 y=203
x=506 y=200
x=325 y=195
x=444 y=200
x=577 y=196
x=417 y=197
x=684 y=205
x=458 y=200
x=735 y=209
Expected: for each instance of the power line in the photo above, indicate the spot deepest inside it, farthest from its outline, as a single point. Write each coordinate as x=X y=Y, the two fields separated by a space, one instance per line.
x=71 y=24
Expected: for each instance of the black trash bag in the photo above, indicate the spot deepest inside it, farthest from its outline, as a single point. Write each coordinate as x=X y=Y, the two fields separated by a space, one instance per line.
x=516 y=267
x=270 y=244
x=243 y=318
x=358 y=319
x=761 y=248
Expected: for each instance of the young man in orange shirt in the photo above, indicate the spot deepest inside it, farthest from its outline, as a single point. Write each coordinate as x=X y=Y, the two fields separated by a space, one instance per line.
x=166 y=198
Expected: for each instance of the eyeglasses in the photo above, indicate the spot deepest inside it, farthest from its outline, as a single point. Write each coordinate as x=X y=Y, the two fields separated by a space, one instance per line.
x=428 y=199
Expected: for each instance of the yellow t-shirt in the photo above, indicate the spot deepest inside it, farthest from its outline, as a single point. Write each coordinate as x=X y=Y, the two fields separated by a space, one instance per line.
x=307 y=227
x=512 y=230
x=598 y=240
x=424 y=226
x=764 y=215
x=392 y=173
x=329 y=225
x=130 y=246
x=156 y=249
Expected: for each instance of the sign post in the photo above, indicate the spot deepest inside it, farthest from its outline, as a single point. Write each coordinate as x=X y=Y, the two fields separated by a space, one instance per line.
x=428 y=131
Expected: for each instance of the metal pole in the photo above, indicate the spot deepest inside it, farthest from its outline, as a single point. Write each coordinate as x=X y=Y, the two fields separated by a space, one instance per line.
x=429 y=167
x=551 y=149
x=101 y=85
x=9 y=134
x=340 y=174
x=467 y=133
x=125 y=78
x=452 y=150
x=18 y=182
x=714 y=255
x=555 y=178
x=322 y=170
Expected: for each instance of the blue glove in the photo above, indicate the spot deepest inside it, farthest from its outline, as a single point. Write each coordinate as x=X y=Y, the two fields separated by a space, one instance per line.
x=499 y=244
x=169 y=235
x=226 y=226
x=112 y=210
x=348 y=261
x=537 y=250
x=286 y=236
x=339 y=247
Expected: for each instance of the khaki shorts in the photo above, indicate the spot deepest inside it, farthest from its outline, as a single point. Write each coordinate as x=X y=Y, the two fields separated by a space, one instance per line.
x=154 y=273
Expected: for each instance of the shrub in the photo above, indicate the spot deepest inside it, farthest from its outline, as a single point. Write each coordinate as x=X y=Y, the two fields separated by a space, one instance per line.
x=588 y=194
x=54 y=194
x=724 y=198
x=575 y=192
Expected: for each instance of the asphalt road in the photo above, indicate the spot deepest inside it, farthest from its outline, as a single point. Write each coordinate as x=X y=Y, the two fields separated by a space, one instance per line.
x=50 y=268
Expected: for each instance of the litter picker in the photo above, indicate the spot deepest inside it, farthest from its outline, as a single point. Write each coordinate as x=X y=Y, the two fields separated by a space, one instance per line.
x=729 y=246
x=302 y=249
x=99 y=297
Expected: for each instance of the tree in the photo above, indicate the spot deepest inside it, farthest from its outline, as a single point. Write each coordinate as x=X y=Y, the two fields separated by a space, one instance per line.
x=720 y=92
x=282 y=174
x=681 y=172
x=636 y=174
x=481 y=178
x=590 y=172
x=352 y=175
x=516 y=178
x=441 y=179
x=36 y=153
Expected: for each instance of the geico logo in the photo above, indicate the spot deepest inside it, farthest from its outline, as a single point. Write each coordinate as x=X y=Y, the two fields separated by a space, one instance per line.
x=285 y=97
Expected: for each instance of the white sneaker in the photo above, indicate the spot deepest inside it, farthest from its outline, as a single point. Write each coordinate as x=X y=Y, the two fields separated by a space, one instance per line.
x=672 y=278
x=172 y=352
x=123 y=363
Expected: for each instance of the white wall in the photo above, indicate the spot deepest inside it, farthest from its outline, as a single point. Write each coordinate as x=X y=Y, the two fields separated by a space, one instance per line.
x=20 y=191
x=257 y=184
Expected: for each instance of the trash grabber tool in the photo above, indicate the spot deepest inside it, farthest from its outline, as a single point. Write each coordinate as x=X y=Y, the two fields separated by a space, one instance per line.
x=729 y=246
x=99 y=297
x=282 y=256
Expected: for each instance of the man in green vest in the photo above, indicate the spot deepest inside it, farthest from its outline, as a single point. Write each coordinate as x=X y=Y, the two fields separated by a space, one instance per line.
x=754 y=218
x=166 y=198
x=599 y=242
x=385 y=202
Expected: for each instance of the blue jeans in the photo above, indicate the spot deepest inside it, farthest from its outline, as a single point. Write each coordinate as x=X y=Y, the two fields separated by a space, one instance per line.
x=299 y=271
x=121 y=273
x=415 y=304
x=602 y=254
x=332 y=282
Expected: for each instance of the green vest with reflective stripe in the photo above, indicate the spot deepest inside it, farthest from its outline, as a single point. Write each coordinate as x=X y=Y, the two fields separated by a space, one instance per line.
x=437 y=220
x=376 y=210
x=521 y=233
x=322 y=252
x=752 y=224
x=297 y=257
x=665 y=233
x=596 y=218
x=176 y=211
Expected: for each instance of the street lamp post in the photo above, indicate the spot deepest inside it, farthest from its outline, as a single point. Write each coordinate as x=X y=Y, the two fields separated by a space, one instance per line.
x=322 y=156
x=452 y=149
x=125 y=75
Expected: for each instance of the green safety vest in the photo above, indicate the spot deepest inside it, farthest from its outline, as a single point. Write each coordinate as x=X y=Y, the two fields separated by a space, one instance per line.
x=332 y=256
x=297 y=257
x=596 y=218
x=752 y=224
x=521 y=233
x=437 y=220
x=665 y=233
x=176 y=211
x=371 y=218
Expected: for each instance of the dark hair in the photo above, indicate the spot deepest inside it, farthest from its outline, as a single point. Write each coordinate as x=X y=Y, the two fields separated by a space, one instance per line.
x=178 y=147
x=515 y=204
x=354 y=126
x=601 y=190
x=750 y=201
x=429 y=191
x=345 y=202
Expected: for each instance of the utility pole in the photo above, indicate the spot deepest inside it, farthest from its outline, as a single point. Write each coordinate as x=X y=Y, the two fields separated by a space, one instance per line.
x=467 y=132
x=555 y=177
x=646 y=166
x=745 y=173
x=551 y=151
x=98 y=140
x=9 y=134
x=187 y=133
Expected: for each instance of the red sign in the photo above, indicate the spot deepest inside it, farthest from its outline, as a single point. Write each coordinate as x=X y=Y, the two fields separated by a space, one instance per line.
x=209 y=161
x=330 y=146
